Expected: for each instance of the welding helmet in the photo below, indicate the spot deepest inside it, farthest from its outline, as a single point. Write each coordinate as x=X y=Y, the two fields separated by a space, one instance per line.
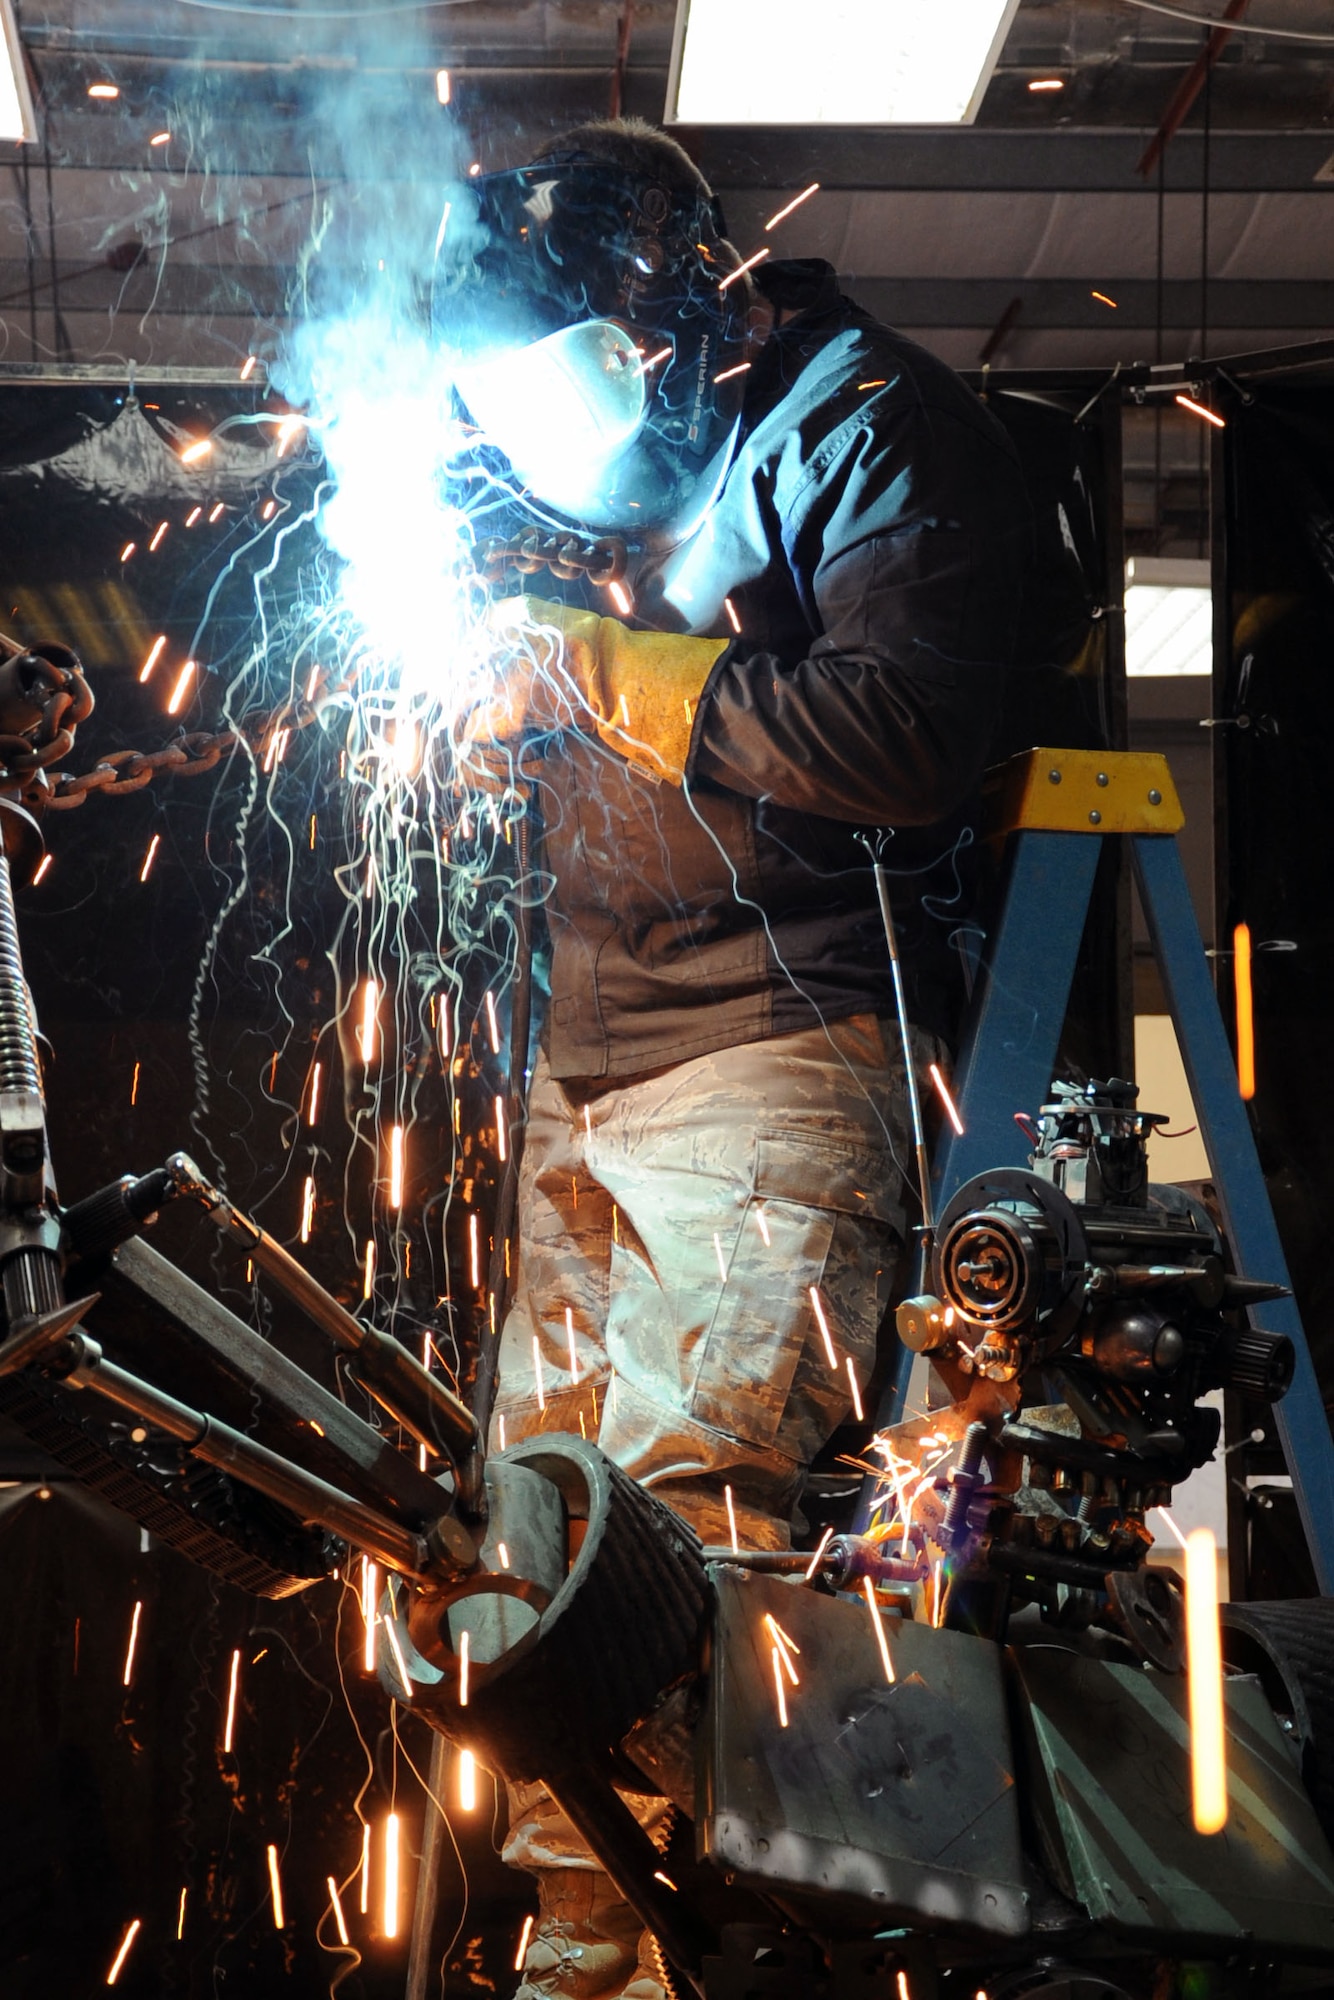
x=586 y=319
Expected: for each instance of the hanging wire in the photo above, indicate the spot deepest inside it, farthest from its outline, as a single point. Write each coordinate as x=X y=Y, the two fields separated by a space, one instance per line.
x=1233 y=27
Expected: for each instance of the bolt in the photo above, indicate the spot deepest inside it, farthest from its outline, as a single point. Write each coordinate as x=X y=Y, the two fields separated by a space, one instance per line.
x=1053 y=777
x=1155 y=797
x=1095 y=819
x=1102 y=778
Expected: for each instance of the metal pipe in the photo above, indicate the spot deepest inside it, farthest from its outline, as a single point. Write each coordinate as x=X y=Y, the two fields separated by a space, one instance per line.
x=310 y=1498
x=1186 y=92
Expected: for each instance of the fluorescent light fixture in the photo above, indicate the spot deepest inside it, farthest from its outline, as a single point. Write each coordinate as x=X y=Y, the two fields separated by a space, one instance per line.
x=18 y=121
x=834 y=62
x=1169 y=617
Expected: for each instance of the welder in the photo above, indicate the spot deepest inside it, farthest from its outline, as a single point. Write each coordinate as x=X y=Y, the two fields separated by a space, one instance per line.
x=828 y=533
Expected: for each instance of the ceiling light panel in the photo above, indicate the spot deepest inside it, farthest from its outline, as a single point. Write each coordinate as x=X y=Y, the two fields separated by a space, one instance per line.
x=18 y=121
x=834 y=62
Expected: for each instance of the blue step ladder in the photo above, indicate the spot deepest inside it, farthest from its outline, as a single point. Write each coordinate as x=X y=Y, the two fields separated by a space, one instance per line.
x=1057 y=806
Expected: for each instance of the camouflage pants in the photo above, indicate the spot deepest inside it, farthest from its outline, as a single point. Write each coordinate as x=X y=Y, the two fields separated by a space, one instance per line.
x=672 y=1231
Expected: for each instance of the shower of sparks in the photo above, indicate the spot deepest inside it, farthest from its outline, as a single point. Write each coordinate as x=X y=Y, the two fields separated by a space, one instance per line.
x=878 y=1622
x=465 y=1666
x=150 y=856
x=574 y=1352
x=731 y=1520
x=537 y=1374
x=1204 y=1670
x=396 y=1167
x=365 y=1870
x=118 y=1961
x=943 y=1093
x=180 y=1914
x=370 y=1595
x=817 y=1306
x=307 y=1207
x=795 y=203
x=153 y=656
x=229 y=1726
x=524 y=1936
x=779 y=1689
x=135 y=1616
x=817 y=1556
x=276 y=1886
x=857 y=1409
x=336 y=1905
x=467 y=1781
x=178 y=693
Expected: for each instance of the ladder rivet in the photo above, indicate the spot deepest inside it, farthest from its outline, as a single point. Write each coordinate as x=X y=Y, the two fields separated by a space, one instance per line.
x=1053 y=777
x=1096 y=818
x=1155 y=798
x=1102 y=777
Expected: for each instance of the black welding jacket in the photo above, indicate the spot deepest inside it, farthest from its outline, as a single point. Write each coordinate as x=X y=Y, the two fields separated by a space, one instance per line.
x=870 y=537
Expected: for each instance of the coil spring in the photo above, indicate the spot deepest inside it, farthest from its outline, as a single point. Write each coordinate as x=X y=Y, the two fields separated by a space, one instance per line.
x=20 y=1068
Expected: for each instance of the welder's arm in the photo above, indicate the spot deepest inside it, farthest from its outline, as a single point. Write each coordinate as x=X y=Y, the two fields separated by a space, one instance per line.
x=888 y=719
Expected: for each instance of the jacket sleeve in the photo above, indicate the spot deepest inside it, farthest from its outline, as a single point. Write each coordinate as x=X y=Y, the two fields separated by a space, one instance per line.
x=908 y=545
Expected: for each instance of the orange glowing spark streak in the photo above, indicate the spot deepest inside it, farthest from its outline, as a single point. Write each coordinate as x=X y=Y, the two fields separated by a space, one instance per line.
x=1199 y=410
x=504 y=1555
x=247 y=367
x=154 y=655
x=368 y=1270
x=365 y=1868
x=786 y=1646
x=1245 y=1004
x=135 y=1616
x=370 y=1597
x=158 y=533
x=193 y=516
x=779 y=1689
x=730 y=609
x=370 y=1000
x=287 y=430
x=159 y=139
x=501 y=1422
x=465 y=1664
x=233 y=1680
x=857 y=1409
x=180 y=1914
x=901 y=1981
x=574 y=1352
x=128 y=551
x=820 y=1547
x=312 y=1108
x=307 y=1207
x=878 y=1622
x=475 y=1250
x=1179 y=1538
x=663 y=354
x=124 y=1952
x=718 y=1253
x=741 y=269
x=731 y=1520
x=389 y=1923
x=501 y=1147
x=620 y=597
x=337 y=1906
x=1103 y=300
x=405 y=1678
x=467 y=1781
x=943 y=1093
x=276 y=1885
x=183 y=680
x=1204 y=1671
x=817 y=1304
x=107 y=90
x=442 y=86
x=492 y=1025
x=41 y=869
x=396 y=1166
x=537 y=1374
x=524 y=1936
x=215 y=511
x=1037 y=83
x=795 y=202
x=666 y=1880
x=741 y=368
x=194 y=452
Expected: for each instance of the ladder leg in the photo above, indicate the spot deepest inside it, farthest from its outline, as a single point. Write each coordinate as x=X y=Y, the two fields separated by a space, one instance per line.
x=1243 y=1197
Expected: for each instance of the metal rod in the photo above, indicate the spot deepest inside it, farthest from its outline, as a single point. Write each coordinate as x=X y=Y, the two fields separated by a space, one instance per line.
x=901 y=1009
x=422 y=1954
x=311 y=1499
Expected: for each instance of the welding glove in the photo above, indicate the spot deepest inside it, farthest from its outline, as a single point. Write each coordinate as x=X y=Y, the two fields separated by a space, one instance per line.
x=572 y=669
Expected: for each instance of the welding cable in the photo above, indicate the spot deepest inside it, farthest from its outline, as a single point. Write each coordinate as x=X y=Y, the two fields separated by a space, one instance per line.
x=1217 y=21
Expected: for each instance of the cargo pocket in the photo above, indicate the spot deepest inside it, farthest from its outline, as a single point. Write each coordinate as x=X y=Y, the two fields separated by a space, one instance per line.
x=823 y=1213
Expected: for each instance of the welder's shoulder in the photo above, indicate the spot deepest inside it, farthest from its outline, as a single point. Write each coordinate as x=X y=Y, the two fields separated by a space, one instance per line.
x=878 y=380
